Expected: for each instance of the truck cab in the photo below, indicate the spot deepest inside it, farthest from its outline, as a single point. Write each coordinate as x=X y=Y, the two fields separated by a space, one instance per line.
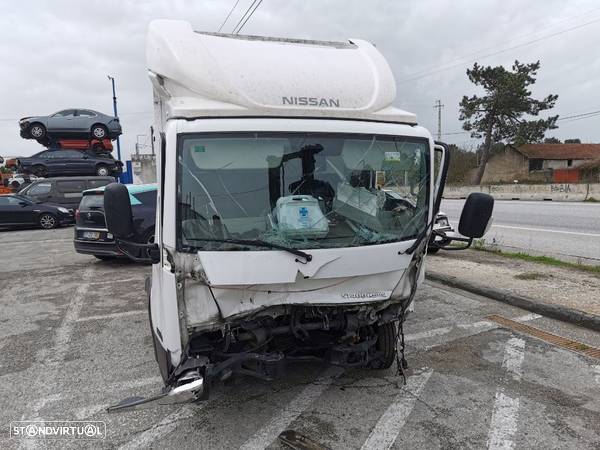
x=295 y=204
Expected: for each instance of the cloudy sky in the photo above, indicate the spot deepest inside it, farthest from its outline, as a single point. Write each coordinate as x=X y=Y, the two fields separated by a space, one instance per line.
x=58 y=54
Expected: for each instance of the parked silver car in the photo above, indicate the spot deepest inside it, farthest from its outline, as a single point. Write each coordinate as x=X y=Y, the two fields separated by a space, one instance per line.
x=71 y=122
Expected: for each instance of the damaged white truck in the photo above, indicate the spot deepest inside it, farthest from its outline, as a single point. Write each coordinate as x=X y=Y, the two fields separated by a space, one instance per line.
x=295 y=204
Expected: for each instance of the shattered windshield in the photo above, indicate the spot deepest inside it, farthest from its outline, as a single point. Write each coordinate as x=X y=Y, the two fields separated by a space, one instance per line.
x=299 y=190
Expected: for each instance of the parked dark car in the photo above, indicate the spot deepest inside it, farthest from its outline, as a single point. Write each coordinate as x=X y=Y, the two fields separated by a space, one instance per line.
x=92 y=237
x=71 y=122
x=18 y=211
x=63 y=191
x=70 y=162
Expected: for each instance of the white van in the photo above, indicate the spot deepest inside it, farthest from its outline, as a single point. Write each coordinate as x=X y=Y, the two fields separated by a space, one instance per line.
x=295 y=203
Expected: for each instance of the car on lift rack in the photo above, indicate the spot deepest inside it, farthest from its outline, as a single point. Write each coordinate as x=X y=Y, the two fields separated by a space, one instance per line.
x=70 y=162
x=71 y=122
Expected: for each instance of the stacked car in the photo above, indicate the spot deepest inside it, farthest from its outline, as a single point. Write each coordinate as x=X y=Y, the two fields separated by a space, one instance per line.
x=78 y=148
x=78 y=142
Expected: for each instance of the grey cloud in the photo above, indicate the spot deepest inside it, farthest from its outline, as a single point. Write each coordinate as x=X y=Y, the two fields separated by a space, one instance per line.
x=57 y=54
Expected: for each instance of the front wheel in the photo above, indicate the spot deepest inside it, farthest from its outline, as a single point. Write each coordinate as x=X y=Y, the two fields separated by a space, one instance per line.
x=47 y=221
x=387 y=338
x=102 y=170
x=37 y=131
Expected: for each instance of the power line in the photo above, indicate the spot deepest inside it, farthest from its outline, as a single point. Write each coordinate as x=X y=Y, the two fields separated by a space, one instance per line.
x=248 y=18
x=582 y=115
x=516 y=38
x=524 y=44
x=228 y=15
x=243 y=16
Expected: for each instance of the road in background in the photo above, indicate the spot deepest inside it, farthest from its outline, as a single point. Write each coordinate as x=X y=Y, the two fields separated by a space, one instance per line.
x=566 y=230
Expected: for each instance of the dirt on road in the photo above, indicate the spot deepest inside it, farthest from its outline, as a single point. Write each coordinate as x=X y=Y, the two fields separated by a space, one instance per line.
x=572 y=288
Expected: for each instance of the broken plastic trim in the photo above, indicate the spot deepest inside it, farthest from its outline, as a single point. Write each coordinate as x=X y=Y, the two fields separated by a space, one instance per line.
x=191 y=389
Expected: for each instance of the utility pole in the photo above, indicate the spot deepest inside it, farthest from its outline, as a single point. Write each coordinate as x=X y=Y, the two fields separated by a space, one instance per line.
x=116 y=114
x=438 y=105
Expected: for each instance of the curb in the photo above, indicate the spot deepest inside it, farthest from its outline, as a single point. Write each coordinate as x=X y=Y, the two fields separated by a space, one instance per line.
x=573 y=316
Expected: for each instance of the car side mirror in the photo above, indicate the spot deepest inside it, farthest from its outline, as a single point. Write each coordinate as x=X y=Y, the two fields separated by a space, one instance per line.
x=476 y=216
x=23 y=204
x=117 y=210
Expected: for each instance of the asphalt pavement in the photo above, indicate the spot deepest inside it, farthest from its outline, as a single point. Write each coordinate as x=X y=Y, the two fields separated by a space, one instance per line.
x=75 y=339
x=565 y=230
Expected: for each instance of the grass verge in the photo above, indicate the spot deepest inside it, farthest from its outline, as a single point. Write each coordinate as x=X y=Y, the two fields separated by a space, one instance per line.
x=547 y=260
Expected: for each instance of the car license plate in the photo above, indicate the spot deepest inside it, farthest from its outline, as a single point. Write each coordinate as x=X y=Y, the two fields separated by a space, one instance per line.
x=91 y=235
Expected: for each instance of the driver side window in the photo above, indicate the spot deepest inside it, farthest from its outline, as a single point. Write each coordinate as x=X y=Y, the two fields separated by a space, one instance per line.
x=40 y=189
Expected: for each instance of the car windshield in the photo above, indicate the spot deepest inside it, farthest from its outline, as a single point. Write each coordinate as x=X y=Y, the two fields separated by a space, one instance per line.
x=300 y=190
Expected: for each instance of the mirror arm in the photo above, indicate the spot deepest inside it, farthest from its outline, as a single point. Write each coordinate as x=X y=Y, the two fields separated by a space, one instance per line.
x=152 y=251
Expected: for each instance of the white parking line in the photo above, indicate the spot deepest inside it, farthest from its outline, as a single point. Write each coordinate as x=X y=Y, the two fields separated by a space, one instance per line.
x=472 y=328
x=513 y=357
x=506 y=409
x=389 y=425
x=504 y=422
x=45 y=382
x=112 y=316
x=545 y=230
x=164 y=427
x=281 y=420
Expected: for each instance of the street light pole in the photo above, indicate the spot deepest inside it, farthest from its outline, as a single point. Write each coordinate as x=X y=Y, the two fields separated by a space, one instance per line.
x=116 y=114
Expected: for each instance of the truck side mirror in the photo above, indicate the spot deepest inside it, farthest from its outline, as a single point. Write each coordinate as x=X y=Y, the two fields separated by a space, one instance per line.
x=117 y=209
x=476 y=216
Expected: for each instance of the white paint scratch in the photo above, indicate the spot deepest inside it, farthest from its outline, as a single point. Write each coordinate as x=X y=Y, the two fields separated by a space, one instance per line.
x=506 y=409
x=281 y=419
x=389 y=425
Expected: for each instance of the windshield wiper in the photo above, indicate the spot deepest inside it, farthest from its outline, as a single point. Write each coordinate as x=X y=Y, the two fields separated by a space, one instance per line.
x=257 y=243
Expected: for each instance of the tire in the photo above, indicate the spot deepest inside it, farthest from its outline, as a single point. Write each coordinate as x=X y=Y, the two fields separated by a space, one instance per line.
x=99 y=132
x=37 y=131
x=47 y=221
x=15 y=184
x=39 y=171
x=105 y=257
x=386 y=344
x=102 y=170
x=432 y=250
x=149 y=237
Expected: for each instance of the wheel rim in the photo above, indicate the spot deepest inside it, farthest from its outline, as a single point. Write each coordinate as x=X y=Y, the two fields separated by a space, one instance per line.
x=102 y=171
x=98 y=132
x=47 y=221
x=37 y=131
